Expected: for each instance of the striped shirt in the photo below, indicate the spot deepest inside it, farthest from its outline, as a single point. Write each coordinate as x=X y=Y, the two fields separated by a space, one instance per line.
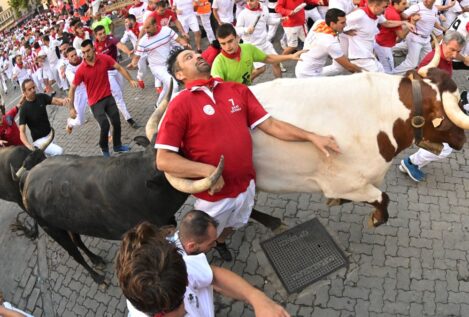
x=157 y=46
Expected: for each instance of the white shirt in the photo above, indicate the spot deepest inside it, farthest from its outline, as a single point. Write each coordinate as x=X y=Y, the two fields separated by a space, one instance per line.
x=70 y=72
x=452 y=13
x=129 y=35
x=345 y=5
x=77 y=42
x=361 y=45
x=460 y=27
x=428 y=18
x=225 y=10
x=320 y=46
x=184 y=8
x=247 y=18
x=138 y=12
x=157 y=46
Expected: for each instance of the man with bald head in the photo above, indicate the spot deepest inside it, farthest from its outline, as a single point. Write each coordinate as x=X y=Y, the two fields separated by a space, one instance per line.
x=157 y=44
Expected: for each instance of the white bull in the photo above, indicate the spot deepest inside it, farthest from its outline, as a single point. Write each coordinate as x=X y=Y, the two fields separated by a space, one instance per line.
x=369 y=115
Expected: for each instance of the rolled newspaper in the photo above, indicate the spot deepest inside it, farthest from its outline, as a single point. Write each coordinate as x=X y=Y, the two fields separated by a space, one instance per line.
x=298 y=8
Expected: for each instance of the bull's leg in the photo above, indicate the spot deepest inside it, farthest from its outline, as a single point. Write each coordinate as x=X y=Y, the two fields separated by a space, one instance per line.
x=62 y=238
x=336 y=201
x=271 y=222
x=373 y=196
x=380 y=215
x=98 y=261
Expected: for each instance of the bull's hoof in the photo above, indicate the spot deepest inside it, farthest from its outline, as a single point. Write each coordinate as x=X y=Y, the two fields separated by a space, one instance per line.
x=103 y=286
x=331 y=202
x=99 y=265
x=373 y=222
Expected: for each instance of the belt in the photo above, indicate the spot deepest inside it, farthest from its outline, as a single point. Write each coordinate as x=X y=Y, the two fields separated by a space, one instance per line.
x=421 y=36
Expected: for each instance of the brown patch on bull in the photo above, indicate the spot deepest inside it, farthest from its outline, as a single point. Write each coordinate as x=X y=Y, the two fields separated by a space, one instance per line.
x=386 y=149
x=403 y=134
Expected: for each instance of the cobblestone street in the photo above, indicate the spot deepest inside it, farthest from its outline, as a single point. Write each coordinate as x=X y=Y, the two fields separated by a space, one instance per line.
x=416 y=265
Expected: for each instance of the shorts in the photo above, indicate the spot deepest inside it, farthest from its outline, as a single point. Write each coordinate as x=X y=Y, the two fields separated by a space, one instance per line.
x=267 y=48
x=189 y=22
x=293 y=34
x=230 y=212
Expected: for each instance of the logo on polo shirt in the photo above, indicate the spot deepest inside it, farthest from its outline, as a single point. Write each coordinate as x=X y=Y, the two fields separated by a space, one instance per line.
x=208 y=109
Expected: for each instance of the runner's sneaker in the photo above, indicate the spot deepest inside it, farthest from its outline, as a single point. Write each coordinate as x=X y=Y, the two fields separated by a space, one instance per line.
x=141 y=84
x=106 y=153
x=412 y=170
x=158 y=90
x=121 y=149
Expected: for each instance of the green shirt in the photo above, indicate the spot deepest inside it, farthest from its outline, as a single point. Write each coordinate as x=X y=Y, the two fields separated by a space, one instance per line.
x=238 y=71
x=106 y=22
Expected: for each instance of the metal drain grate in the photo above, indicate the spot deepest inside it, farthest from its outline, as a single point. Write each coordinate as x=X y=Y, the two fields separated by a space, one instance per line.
x=303 y=255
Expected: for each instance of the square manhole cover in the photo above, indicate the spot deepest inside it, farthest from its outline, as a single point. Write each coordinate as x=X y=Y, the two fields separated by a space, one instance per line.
x=303 y=255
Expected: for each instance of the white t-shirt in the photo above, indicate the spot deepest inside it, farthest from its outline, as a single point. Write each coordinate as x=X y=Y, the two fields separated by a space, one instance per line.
x=361 y=45
x=320 y=46
x=428 y=18
x=451 y=14
x=225 y=10
x=138 y=12
x=247 y=18
x=460 y=26
x=345 y=5
x=184 y=7
x=129 y=35
x=70 y=72
x=157 y=46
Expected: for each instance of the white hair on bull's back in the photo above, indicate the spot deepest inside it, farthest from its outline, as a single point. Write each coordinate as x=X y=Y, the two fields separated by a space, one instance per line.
x=353 y=109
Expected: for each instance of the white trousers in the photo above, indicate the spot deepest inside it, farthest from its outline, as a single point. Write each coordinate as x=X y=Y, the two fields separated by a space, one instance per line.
x=161 y=74
x=205 y=21
x=385 y=57
x=230 y=212
x=52 y=149
x=423 y=157
x=416 y=51
x=3 y=79
x=117 y=85
x=369 y=64
x=273 y=27
x=80 y=104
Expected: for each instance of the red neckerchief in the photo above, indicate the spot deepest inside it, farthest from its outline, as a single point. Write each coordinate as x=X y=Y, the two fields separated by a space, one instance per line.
x=322 y=27
x=162 y=314
x=259 y=8
x=209 y=83
x=81 y=36
x=20 y=66
x=236 y=55
x=138 y=6
x=370 y=14
x=136 y=29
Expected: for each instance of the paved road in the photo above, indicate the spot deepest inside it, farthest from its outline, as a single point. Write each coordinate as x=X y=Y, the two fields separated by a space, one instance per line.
x=414 y=266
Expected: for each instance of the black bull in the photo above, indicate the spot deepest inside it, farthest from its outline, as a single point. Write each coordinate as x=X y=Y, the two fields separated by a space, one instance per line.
x=71 y=195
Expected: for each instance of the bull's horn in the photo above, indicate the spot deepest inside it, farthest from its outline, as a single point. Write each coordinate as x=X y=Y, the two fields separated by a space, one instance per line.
x=20 y=172
x=434 y=62
x=50 y=137
x=13 y=174
x=152 y=124
x=196 y=186
x=453 y=111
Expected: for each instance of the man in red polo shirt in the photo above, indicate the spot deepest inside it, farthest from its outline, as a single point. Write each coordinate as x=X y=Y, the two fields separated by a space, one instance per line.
x=93 y=71
x=453 y=43
x=199 y=121
x=108 y=44
x=387 y=37
x=9 y=131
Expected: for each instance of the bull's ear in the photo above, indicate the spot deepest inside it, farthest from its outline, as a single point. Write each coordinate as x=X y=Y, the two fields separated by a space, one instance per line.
x=437 y=121
x=142 y=140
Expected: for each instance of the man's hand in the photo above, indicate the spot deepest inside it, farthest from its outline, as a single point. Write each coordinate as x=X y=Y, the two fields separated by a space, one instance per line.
x=410 y=26
x=131 y=66
x=133 y=83
x=414 y=18
x=218 y=185
x=3 y=143
x=66 y=101
x=73 y=113
x=265 y=307
x=296 y=56
x=250 y=30
x=325 y=142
